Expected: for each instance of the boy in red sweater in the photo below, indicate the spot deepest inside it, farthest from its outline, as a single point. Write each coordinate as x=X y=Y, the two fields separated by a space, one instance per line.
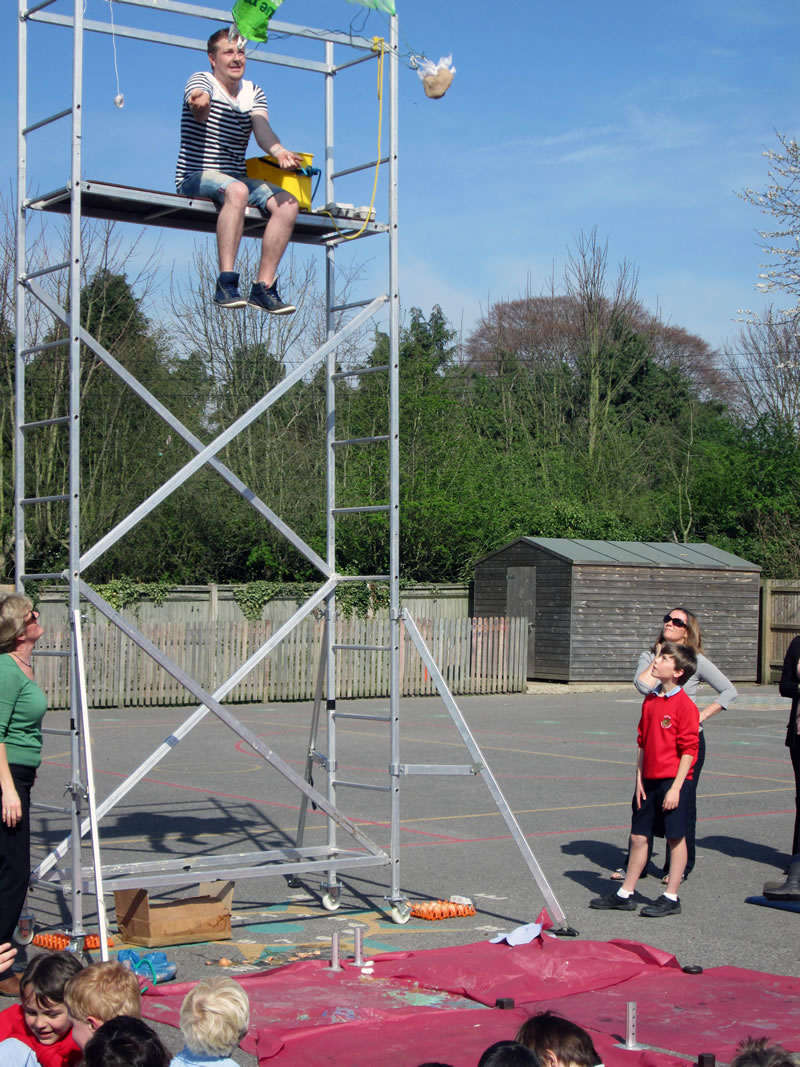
x=669 y=731
x=41 y=1020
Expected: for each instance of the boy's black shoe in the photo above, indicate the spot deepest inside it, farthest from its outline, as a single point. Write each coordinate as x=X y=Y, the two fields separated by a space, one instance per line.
x=613 y=902
x=663 y=906
x=227 y=293
x=266 y=297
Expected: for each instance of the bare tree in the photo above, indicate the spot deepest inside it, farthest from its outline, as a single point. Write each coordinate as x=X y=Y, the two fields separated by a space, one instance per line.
x=201 y=326
x=112 y=462
x=603 y=315
x=766 y=369
x=678 y=461
x=244 y=354
x=697 y=361
x=781 y=200
x=571 y=350
x=527 y=348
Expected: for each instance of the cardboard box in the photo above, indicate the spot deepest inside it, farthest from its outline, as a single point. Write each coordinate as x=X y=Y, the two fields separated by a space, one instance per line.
x=206 y=917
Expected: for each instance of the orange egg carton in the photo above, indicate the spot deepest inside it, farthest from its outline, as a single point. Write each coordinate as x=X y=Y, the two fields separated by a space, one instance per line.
x=440 y=909
x=59 y=942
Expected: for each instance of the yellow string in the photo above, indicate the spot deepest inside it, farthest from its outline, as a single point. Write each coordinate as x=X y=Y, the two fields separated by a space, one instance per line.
x=378 y=45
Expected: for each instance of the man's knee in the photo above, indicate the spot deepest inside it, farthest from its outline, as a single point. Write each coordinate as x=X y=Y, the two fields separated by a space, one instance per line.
x=284 y=205
x=237 y=194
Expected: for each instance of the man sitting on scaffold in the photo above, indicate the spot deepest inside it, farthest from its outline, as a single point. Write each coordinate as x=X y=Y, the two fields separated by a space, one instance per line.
x=220 y=110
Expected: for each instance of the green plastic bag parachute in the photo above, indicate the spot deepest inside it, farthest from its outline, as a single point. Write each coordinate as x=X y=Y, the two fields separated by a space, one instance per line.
x=252 y=17
x=378 y=5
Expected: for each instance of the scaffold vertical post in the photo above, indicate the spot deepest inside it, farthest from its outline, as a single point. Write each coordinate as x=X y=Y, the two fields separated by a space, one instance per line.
x=21 y=259
x=394 y=465
x=330 y=466
x=75 y=263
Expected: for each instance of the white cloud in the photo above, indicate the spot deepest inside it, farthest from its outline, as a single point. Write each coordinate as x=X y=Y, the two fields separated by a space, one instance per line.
x=664 y=129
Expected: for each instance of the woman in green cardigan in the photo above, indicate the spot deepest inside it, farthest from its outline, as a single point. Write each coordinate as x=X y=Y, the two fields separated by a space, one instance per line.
x=22 y=708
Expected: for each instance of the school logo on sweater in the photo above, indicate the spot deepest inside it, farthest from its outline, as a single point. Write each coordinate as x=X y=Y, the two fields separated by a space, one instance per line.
x=666 y=722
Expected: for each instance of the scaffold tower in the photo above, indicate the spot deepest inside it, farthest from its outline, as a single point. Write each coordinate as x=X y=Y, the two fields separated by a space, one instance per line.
x=346 y=846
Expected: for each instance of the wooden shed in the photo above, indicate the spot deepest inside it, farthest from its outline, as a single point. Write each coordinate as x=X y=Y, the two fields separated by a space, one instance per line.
x=592 y=606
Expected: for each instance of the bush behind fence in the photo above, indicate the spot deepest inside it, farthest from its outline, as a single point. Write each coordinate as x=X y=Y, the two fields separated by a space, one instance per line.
x=475 y=655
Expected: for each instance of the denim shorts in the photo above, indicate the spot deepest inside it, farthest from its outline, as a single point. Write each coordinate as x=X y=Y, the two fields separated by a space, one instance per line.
x=212 y=184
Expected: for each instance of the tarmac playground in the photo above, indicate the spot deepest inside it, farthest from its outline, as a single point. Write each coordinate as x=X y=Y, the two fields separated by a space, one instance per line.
x=565 y=761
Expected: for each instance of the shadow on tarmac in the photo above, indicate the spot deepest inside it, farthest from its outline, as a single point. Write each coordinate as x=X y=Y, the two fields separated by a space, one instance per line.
x=608 y=858
x=739 y=848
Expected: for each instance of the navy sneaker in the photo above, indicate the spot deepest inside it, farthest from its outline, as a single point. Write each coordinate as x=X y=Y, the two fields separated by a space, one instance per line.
x=613 y=902
x=266 y=297
x=227 y=293
x=663 y=906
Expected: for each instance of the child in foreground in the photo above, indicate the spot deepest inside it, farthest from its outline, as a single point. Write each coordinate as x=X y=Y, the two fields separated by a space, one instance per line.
x=98 y=993
x=41 y=1020
x=215 y=1015
x=557 y=1042
x=508 y=1054
x=125 y=1042
x=668 y=745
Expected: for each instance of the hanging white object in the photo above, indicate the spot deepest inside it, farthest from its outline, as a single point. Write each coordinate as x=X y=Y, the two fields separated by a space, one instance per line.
x=436 y=77
x=119 y=99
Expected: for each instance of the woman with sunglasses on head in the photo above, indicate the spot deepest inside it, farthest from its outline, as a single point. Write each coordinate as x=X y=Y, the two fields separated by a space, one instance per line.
x=22 y=708
x=682 y=626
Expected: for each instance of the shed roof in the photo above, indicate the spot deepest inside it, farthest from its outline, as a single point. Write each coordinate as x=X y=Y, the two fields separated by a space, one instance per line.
x=636 y=553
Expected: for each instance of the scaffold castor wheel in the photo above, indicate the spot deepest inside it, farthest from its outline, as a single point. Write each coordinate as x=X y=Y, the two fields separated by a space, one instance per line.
x=400 y=913
x=332 y=898
x=23 y=934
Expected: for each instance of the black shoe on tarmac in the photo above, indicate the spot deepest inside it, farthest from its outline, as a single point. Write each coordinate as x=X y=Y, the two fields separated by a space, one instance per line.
x=663 y=906
x=613 y=902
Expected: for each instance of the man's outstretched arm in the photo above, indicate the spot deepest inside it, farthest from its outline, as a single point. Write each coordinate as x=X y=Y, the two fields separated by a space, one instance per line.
x=199 y=103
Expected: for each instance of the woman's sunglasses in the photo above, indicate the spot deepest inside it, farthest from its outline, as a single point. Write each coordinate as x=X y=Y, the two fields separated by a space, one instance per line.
x=674 y=621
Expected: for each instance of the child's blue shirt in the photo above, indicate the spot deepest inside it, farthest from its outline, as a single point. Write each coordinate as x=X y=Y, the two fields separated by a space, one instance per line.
x=187 y=1058
x=14 y=1054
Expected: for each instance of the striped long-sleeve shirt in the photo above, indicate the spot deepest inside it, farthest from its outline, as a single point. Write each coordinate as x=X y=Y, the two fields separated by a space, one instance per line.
x=219 y=143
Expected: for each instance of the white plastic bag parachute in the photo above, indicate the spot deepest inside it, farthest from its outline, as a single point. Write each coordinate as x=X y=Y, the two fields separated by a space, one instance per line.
x=436 y=77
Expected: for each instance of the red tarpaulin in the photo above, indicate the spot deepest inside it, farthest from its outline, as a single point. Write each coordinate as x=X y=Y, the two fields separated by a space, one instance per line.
x=439 y=1004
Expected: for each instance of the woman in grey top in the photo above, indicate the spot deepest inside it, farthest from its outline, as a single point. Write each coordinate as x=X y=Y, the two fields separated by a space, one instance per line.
x=682 y=626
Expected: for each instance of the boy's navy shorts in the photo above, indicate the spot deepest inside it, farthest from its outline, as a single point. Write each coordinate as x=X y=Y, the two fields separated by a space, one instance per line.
x=651 y=815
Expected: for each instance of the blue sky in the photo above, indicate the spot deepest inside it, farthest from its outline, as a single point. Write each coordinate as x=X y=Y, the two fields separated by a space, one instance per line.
x=639 y=119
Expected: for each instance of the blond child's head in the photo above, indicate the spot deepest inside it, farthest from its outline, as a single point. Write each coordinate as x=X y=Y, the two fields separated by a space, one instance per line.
x=100 y=992
x=41 y=991
x=215 y=1015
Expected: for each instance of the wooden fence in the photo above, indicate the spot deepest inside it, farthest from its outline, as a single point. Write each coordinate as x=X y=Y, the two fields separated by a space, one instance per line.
x=217 y=603
x=780 y=622
x=474 y=655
